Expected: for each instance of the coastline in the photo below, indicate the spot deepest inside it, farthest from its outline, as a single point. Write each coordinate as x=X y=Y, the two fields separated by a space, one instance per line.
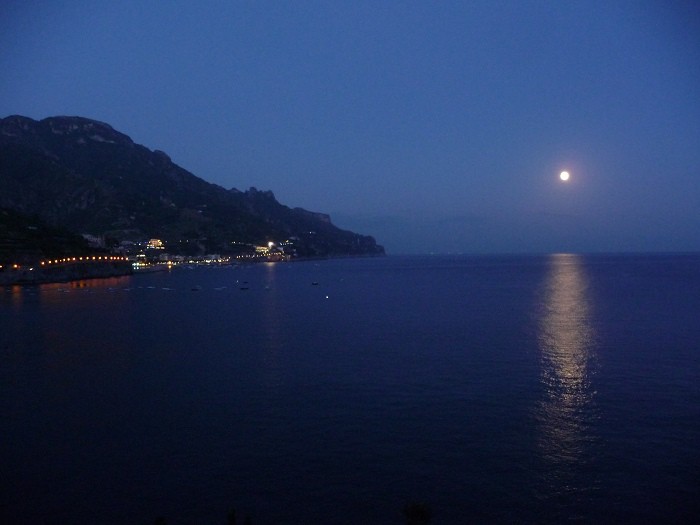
x=65 y=273
x=89 y=270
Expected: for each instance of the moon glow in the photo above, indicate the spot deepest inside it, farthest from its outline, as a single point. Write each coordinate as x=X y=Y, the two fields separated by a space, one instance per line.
x=564 y=175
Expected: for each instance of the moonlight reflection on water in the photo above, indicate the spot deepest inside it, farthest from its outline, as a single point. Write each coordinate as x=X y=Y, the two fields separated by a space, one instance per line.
x=566 y=340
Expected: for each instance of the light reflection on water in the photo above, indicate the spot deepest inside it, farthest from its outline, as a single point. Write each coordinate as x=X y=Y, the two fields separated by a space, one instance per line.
x=566 y=339
x=272 y=325
x=151 y=394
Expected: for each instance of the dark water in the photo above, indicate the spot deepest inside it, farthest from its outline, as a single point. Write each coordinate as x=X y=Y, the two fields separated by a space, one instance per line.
x=513 y=389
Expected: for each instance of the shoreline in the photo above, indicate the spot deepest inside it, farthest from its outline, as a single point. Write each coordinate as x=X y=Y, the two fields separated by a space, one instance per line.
x=103 y=270
x=66 y=273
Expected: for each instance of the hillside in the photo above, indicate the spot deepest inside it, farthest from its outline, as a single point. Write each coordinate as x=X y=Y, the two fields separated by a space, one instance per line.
x=27 y=239
x=83 y=176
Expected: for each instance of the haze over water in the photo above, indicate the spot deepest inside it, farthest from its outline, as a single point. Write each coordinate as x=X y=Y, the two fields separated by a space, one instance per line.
x=432 y=126
x=495 y=389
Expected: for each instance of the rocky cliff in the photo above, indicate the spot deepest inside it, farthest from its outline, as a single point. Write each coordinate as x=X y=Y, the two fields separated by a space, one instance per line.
x=84 y=176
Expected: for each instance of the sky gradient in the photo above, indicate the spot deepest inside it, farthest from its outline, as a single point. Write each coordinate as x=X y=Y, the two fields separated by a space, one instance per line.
x=433 y=126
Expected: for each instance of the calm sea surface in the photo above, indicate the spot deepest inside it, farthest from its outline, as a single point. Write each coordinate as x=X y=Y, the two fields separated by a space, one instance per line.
x=541 y=389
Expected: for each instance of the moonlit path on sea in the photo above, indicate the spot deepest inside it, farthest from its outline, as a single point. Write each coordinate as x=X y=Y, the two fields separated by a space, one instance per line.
x=539 y=389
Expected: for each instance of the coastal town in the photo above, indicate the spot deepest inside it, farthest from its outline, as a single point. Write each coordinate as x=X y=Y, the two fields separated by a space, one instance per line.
x=155 y=252
x=130 y=257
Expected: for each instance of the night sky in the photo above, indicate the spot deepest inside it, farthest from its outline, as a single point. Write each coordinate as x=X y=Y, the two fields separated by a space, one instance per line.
x=433 y=126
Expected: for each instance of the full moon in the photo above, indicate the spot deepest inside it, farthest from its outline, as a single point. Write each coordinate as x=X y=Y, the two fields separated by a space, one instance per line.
x=564 y=175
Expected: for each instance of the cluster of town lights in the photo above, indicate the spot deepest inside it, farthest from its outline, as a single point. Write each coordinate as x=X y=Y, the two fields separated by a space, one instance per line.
x=269 y=252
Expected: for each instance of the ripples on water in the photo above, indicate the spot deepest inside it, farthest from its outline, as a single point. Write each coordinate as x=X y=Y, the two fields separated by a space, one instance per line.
x=566 y=414
x=497 y=389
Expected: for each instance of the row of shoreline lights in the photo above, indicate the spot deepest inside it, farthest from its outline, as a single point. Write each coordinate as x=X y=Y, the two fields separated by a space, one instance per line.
x=90 y=258
x=87 y=258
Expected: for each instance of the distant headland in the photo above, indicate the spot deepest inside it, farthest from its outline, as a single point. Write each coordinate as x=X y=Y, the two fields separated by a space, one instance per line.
x=74 y=187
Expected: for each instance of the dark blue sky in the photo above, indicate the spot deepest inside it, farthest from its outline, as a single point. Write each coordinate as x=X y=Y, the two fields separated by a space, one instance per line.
x=434 y=126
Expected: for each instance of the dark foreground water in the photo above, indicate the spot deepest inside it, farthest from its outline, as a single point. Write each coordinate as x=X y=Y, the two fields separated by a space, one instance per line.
x=513 y=389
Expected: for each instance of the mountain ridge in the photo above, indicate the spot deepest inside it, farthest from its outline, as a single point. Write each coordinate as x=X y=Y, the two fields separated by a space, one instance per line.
x=85 y=176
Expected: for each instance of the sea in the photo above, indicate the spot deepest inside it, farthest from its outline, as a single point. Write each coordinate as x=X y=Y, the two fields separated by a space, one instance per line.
x=457 y=389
